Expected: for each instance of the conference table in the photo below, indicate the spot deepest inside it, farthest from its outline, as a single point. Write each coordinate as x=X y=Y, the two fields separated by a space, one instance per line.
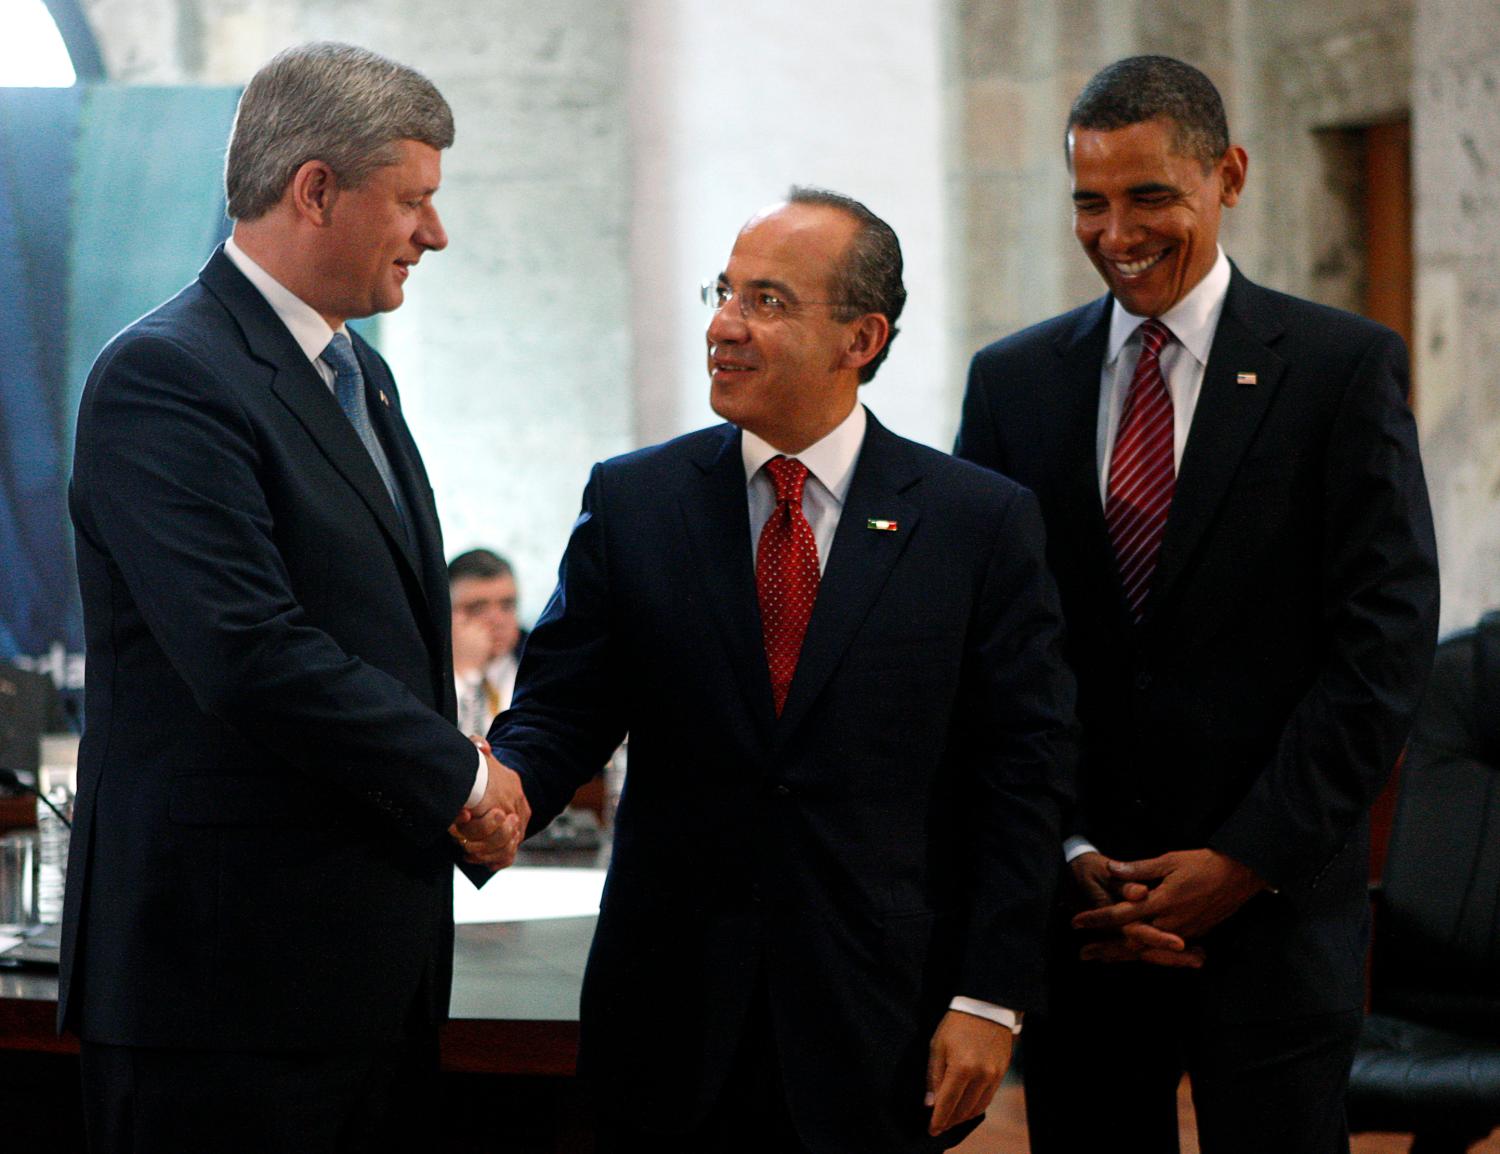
x=514 y=1009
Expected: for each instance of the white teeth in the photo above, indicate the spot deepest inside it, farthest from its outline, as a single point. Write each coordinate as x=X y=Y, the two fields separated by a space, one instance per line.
x=1135 y=267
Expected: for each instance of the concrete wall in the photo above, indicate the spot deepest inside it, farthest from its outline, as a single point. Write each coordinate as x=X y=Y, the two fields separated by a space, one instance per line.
x=608 y=151
x=1456 y=130
x=727 y=111
x=1297 y=78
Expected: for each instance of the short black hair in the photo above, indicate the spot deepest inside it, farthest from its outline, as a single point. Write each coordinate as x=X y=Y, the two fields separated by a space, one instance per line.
x=478 y=564
x=1141 y=88
x=868 y=279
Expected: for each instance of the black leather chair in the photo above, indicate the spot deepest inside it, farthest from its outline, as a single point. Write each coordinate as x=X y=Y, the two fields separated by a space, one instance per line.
x=1429 y=1059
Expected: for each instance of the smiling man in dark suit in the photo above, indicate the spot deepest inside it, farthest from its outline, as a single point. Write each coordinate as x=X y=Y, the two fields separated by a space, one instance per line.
x=257 y=942
x=1239 y=528
x=837 y=655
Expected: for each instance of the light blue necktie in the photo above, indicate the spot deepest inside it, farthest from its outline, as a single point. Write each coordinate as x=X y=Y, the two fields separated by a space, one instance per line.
x=349 y=388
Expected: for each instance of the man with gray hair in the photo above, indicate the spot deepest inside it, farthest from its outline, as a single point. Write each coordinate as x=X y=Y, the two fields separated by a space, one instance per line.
x=258 y=926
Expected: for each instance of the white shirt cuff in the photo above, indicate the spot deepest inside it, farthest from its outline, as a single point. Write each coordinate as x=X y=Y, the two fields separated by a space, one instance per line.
x=481 y=781
x=1010 y=1019
x=1076 y=847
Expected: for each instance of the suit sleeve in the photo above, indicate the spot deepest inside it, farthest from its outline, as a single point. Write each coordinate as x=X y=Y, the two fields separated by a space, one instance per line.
x=567 y=718
x=976 y=440
x=979 y=441
x=170 y=485
x=1017 y=710
x=1379 y=612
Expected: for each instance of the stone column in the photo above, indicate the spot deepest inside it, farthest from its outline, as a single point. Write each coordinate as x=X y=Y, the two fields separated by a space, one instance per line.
x=1456 y=133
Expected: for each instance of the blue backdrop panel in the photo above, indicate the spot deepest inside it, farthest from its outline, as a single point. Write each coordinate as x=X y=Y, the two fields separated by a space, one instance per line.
x=38 y=131
x=110 y=201
x=148 y=207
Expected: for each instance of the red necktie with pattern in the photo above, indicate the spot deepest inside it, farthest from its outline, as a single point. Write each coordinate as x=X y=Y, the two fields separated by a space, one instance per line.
x=1141 y=472
x=786 y=575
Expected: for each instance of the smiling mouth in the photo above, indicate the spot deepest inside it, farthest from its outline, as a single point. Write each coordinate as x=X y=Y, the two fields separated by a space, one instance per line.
x=1135 y=268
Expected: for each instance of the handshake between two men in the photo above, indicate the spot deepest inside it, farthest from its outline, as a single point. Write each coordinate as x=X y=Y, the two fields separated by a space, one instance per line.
x=489 y=832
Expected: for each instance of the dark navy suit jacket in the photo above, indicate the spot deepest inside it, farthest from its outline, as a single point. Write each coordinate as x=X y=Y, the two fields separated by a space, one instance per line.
x=259 y=855
x=1289 y=629
x=886 y=843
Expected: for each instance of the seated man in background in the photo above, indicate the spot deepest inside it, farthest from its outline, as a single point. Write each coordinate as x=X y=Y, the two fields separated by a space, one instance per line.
x=487 y=637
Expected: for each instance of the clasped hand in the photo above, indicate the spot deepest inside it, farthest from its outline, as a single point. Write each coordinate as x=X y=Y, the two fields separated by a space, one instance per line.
x=1159 y=905
x=490 y=832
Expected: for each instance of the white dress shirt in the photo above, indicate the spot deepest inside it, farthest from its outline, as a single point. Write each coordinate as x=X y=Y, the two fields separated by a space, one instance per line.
x=830 y=466
x=312 y=334
x=1193 y=321
x=485 y=694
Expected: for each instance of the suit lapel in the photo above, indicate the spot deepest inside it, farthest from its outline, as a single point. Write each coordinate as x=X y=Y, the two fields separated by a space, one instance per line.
x=299 y=387
x=1229 y=412
x=1082 y=353
x=382 y=404
x=859 y=562
x=424 y=544
x=716 y=517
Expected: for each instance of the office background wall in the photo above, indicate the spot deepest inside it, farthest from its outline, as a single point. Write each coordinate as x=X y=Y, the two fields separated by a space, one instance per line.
x=608 y=149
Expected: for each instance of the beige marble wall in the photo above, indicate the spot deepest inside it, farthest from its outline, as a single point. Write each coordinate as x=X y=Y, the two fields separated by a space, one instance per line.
x=516 y=347
x=1456 y=132
x=1298 y=79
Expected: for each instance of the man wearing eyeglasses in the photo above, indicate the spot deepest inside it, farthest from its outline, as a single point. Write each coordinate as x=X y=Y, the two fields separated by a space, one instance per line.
x=837 y=655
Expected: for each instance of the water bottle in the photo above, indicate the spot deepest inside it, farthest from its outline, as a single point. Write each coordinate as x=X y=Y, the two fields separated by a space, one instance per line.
x=53 y=870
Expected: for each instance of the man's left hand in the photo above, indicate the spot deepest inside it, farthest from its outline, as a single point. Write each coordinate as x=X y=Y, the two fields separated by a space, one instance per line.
x=1191 y=891
x=968 y=1057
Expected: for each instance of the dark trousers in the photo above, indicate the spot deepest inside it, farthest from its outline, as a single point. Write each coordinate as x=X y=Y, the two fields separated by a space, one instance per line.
x=1101 y=1070
x=750 y=1117
x=367 y=1100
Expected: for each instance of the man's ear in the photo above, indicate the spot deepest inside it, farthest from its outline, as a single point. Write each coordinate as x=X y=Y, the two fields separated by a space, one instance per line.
x=1233 y=166
x=867 y=338
x=314 y=188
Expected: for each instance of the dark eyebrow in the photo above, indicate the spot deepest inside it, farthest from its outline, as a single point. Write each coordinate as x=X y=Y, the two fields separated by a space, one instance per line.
x=778 y=287
x=1150 y=188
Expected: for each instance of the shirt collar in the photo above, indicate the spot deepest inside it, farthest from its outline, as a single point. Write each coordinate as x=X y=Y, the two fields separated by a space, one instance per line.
x=831 y=460
x=1192 y=320
x=308 y=329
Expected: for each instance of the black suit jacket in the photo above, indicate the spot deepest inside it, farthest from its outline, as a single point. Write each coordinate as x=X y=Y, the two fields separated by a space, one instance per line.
x=259 y=855
x=1260 y=706
x=883 y=845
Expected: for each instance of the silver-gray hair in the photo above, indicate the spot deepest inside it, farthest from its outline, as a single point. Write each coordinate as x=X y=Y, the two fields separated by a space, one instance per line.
x=337 y=103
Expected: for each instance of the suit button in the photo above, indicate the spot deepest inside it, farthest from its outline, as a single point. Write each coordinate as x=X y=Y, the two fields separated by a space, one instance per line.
x=1143 y=680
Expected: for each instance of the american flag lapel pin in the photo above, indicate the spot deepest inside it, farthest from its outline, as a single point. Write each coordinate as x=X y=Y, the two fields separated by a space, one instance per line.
x=1246 y=378
x=882 y=525
x=386 y=401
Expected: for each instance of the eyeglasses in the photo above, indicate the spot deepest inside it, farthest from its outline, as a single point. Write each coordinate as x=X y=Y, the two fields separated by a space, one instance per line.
x=763 y=304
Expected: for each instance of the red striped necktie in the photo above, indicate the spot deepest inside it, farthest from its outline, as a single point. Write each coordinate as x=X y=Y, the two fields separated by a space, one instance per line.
x=1142 y=475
